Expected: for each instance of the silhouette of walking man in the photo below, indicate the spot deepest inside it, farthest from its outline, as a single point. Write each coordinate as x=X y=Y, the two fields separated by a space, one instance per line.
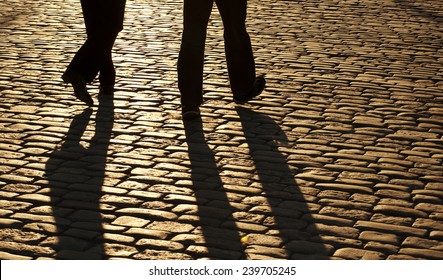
x=239 y=55
x=103 y=21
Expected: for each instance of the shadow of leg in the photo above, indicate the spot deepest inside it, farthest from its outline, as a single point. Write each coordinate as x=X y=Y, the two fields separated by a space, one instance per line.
x=75 y=176
x=291 y=215
x=221 y=237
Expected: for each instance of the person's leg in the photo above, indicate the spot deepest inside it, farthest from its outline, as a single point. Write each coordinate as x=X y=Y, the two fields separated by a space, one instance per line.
x=111 y=25
x=239 y=55
x=103 y=21
x=83 y=68
x=107 y=74
x=196 y=15
x=85 y=62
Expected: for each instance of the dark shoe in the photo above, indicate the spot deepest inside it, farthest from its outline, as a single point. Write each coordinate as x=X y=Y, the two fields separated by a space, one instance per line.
x=190 y=112
x=79 y=85
x=258 y=87
x=106 y=89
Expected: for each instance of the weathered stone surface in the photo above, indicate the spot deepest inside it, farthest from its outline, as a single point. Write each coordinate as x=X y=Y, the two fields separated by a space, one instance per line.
x=345 y=204
x=247 y=227
x=60 y=243
x=148 y=213
x=161 y=255
x=14 y=205
x=267 y=251
x=436 y=234
x=42 y=227
x=345 y=187
x=399 y=211
x=9 y=256
x=386 y=249
x=147 y=233
x=394 y=220
x=343 y=148
x=129 y=221
x=342 y=231
x=156 y=244
x=337 y=241
x=191 y=239
x=309 y=248
x=174 y=227
x=10 y=223
x=428 y=207
x=358 y=254
x=424 y=243
x=213 y=253
x=422 y=253
x=393 y=194
x=117 y=238
x=264 y=240
x=119 y=250
x=17 y=235
x=403 y=257
x=379 y=237
x=26 y=249
x=395 y=229
x=428 y=224
x=353 y=214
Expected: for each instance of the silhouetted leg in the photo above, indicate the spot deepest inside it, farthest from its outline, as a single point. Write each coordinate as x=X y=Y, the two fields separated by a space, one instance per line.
x=239 y=55
x=103 y=20
x=107 y=70
x=196 y=15
x=113 y=24
x=85 y=61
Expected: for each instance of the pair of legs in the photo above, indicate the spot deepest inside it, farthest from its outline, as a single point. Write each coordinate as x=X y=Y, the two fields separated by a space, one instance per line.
x=239 y=55
x=103 y=21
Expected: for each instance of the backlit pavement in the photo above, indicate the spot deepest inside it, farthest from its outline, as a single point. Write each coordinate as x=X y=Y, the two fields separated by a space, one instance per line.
x=340 y=158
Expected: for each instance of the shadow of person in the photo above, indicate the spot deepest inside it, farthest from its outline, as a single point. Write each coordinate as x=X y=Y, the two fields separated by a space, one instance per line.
x=289 y=215
x=420 y=10
x=75 y=175
x=221 y=237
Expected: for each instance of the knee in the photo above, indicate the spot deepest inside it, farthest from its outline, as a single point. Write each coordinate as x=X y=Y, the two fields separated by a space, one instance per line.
x=193 y=38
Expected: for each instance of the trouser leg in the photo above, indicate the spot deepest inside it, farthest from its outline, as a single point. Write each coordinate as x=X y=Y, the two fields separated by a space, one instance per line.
x=196 y=15
x=115 y=10
x=239 y=54
x=103 y=21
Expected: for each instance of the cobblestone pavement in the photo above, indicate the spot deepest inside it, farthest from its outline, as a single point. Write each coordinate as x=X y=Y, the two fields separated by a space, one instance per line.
x=340 y=158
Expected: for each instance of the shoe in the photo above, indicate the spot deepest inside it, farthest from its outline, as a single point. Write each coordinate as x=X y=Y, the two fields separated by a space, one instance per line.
x=257 y=88
x=190 y=112
x=79 y=85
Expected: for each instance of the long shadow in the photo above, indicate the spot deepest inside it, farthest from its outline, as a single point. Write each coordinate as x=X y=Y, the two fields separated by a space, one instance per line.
x=429 y=14
x=75 y=175
x=221 y=237
x=291 y=217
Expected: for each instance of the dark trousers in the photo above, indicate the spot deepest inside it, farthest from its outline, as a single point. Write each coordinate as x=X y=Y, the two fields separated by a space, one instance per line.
x=238 y=50
x=103 y=20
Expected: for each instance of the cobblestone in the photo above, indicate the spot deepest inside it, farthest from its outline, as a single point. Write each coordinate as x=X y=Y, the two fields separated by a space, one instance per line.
x=339 y=158
x=358 y=254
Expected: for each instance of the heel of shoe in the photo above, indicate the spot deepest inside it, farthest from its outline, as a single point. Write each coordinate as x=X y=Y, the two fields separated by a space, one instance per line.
x=257 y=89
